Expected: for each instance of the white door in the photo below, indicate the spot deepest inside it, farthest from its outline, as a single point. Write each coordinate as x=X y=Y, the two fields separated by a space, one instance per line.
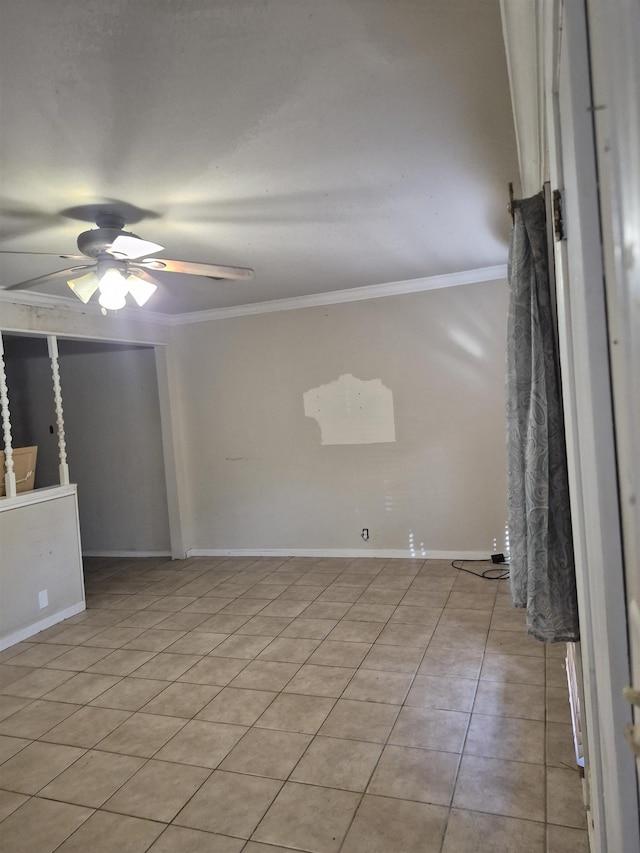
x=591 y=448
x=615 y=67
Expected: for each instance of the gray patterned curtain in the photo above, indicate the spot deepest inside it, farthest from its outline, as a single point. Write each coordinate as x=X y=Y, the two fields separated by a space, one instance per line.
x=542 y=568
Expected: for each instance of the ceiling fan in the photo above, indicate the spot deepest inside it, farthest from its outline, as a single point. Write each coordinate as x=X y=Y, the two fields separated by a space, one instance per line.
x=121 y=264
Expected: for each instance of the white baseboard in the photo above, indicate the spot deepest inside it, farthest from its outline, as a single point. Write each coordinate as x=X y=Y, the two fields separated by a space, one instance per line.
x=126 y=553
x=350 y=553
x=43 y=624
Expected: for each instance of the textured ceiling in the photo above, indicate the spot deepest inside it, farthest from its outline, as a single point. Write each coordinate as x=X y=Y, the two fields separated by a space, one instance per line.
x=328 y=144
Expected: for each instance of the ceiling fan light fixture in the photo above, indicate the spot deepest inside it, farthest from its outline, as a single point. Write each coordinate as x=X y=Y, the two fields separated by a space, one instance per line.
x=85 y=286
x=140 y=290
x=113 y=290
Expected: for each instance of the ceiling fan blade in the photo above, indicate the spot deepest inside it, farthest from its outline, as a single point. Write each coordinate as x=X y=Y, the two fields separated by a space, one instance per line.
x=188 y=268
x=41 y=279
x=48 y=254
x=133 y=247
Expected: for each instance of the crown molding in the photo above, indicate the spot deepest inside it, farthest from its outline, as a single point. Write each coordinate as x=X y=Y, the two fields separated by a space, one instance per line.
x=354 y=294
x=313 y=300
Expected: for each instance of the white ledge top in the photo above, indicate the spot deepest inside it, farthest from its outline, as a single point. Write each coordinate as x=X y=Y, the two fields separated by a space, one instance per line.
x=37 y=496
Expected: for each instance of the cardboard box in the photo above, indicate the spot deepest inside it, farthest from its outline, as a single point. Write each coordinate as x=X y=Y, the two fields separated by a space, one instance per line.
x=24 y=467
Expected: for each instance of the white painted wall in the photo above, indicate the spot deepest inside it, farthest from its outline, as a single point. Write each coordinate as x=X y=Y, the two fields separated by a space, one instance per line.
x=41 y=579
x=257 y=474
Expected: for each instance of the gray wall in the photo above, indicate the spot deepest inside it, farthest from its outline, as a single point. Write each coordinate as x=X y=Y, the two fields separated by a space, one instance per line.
x=257 y=474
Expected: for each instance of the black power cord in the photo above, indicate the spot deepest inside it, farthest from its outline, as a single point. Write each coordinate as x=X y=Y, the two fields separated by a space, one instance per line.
x=488 y=574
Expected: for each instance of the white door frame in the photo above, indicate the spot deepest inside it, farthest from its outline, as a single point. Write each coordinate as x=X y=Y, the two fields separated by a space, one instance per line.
x=584 y=353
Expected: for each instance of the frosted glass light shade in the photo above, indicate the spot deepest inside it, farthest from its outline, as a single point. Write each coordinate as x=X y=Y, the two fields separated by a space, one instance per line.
x=140 y=289
x=113 y=290
x=85 y=286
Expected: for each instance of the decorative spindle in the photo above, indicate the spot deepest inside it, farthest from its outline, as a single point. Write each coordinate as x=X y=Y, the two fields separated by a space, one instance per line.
x=52 y=343
x=9 y=477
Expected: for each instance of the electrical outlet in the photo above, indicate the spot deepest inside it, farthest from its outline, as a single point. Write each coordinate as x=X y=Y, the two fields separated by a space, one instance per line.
x=43 y=599
x=365 y=534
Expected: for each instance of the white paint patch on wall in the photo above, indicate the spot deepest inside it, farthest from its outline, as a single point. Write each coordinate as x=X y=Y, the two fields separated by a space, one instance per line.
x=352 y=411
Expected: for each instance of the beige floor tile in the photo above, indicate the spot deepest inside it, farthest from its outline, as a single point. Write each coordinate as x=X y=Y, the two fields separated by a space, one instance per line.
x=452 y=637
x=413 y=614
x=370 y=685
x=82 y=687
x=308 y=817
x=130 y=694
x=182 y=621
x=267 y=752
x=513 y=643
x=166 y=666
x=561 y=839
x=521 y=669
x=229 y=804
x=326 y=609
x=12 y=651
x=246 y=646
x=381 y=596
x=556 y=672
x=143 y=619
x=265 y=675
x=265 y=626
x=356 y=632
x=11 y=745
x=510 y=788
x=142 y=734
x=78 y=659
x=115 y=637
x=361 y=612
x=41 y=825
x=557 y=705
x=120 y=662
x=309 y=629
x=158 y=790
x=73 y=636
x=506 y=737
x=244 y=606
x=9 y=705
x=415 y=774
x=220 y=624
x=9 y=802
x=383 y=825
x=104 y=832
x=397 y=634
x=449 y=694
x=509 y=620
x=196 y=643
x=181 y=700
x=37 y=683
x=339 y=653
x=176 y=839
x=35 y=766
x=355 y=720
x=430 y=728
x=296 y=713
x=288 y=608
x=238 y=706
x=35 y=718
x=154 y=640
x=86 y=727
x=505 y=699
x=214 y=671
x=564 y=798
x=38 y=655
x=471 y=832
x=471 y=601
x=313 y=680
x=201 y=743
x=560 y=748
x=338 y=763
x=289 y=650
x=92 y=779
x=453 y=663
x=10 y=674
x=392 y=658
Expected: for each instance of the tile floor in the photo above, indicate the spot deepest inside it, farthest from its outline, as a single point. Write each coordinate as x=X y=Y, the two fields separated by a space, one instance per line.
x=265 y=705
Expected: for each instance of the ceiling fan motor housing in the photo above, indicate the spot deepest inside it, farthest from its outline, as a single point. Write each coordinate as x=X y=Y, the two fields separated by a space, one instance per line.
x=99 y=240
